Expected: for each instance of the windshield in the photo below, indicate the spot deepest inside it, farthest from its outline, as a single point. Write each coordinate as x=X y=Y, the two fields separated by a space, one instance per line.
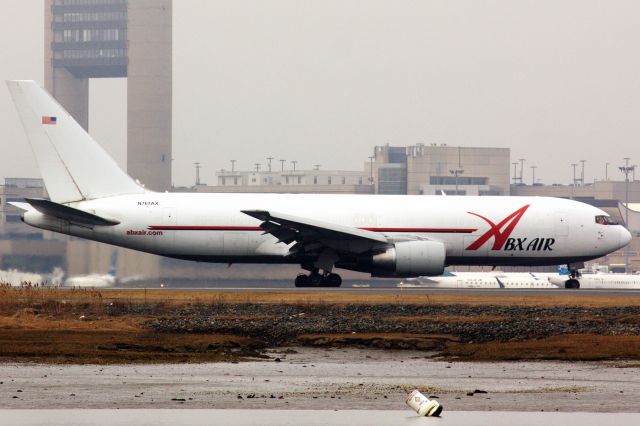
x=606 y=220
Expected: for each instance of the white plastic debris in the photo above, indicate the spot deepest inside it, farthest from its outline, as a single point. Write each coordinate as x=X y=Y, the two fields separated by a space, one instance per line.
x=423 y=405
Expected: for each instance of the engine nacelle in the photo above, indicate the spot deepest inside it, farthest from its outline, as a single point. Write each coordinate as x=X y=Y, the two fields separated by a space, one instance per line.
x=409 y=259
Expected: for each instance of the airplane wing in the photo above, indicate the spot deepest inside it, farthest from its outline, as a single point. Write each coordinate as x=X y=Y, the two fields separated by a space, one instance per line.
x=313 y=236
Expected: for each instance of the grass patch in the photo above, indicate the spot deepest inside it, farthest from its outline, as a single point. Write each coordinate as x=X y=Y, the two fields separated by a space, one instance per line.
x=378 y=340
x=572 y=347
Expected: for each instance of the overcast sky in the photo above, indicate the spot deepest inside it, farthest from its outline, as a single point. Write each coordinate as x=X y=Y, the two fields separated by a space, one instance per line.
x=322 y=82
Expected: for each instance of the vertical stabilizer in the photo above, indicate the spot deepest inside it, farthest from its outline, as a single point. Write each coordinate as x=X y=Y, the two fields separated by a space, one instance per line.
x=74 y=167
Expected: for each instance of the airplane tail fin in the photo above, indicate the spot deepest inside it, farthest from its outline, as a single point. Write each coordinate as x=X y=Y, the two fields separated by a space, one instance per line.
x=563 y=270
x=74 y=167
x=113 y=265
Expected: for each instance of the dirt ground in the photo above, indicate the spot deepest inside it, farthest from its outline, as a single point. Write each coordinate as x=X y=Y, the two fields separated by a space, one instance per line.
x=169 y=326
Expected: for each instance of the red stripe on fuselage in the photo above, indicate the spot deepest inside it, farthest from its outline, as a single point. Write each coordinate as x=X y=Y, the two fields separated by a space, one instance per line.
x=423 y=230
x=257 y=228
x=204 y=228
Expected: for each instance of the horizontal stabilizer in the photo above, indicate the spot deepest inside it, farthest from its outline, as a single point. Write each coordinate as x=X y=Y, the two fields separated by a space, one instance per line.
x=22 y=206
x=69 y=213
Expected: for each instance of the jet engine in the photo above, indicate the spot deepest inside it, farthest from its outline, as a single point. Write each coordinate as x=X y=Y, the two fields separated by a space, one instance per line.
x=409 y=259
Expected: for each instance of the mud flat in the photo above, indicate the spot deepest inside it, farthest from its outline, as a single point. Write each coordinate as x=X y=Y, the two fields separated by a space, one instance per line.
x=313 y=378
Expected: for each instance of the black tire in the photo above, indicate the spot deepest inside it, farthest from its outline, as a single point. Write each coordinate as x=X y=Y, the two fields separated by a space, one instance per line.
x=302 y=280
x=333 y=280
x=572 y=283
x=315 y=280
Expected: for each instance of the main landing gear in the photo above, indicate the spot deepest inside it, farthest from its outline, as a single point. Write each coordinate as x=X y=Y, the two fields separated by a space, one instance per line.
x=316 y=280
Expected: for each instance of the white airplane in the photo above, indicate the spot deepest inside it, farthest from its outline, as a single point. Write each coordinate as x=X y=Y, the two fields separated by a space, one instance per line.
x=384 y=235
x=17 y=278
x=96 y=280
x=603 y=280
x=495 y=279
x=91 y=281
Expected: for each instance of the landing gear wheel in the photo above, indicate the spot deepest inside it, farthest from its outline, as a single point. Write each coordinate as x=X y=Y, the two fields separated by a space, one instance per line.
x=302 y=280
x=332 y=280
x=315 y=280
x=572 y=283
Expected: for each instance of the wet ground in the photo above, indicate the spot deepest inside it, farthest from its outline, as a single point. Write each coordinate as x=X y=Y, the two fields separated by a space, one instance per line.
x=261 y=417
x=328 y=379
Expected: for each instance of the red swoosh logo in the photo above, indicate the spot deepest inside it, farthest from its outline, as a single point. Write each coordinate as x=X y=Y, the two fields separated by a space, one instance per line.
x=500 y=236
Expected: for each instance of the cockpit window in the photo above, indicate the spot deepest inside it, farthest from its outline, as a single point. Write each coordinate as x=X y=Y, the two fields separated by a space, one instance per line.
x=606 y=220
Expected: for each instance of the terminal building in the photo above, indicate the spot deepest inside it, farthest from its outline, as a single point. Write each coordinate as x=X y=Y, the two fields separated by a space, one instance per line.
x=414 y=170
x=290 y=181
x=434 y=169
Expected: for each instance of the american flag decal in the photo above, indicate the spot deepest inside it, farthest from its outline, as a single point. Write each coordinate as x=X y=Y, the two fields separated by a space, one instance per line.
x=48 y=120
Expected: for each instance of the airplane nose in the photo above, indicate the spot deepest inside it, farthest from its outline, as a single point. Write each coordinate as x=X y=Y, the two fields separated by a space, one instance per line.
x=625 y=236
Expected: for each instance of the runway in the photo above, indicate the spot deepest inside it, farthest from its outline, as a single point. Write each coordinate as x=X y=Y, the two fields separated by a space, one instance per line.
x=390 y=289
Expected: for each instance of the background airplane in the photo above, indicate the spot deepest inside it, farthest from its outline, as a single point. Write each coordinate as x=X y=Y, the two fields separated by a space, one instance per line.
x=497 y=279
x=17 y=278
x=494 y=279
x=96 y=280
x=598 y=279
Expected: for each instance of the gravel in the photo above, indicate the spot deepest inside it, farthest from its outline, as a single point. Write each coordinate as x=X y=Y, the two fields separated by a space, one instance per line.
x=278 y=324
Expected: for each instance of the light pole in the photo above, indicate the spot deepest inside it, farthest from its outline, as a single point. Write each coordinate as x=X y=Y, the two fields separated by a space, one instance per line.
x=371 y=158
x=626 y=169
x=606 y=171
x=294 y=162
x=515 y=173
x=521 y=168
x=269 y=163
x=316 y=166
x=456 y=173
x=282 y=165
x=533 y=175
x=582 y=173
x=197 y=173
x=233 y=166
x=257 y=166
x=574 y=165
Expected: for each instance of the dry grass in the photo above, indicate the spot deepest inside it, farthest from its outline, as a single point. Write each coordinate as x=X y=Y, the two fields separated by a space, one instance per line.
x=378 y=340
x=29 y=296
x=574 y=347
x=29 y=321
x=109 y=346
x=73 y=326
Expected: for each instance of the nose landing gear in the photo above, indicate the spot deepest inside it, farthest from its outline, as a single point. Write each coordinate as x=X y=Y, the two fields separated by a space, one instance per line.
x=574 y=275
x=317 y=280
x=572 y=283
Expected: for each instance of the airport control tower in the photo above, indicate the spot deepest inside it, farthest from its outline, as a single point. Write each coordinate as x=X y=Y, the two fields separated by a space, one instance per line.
x=117 y=38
